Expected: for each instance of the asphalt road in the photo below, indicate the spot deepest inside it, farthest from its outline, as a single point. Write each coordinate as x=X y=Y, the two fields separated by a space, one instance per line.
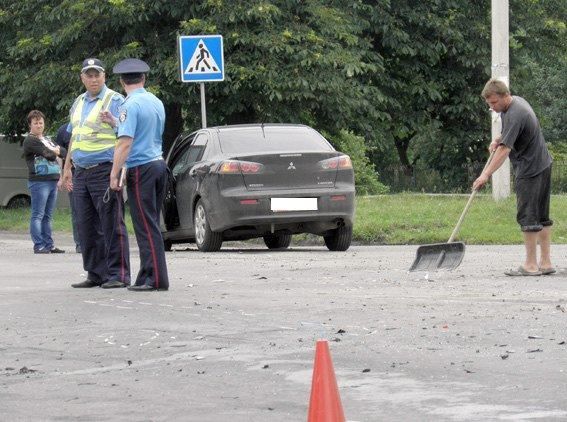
x=234 y=337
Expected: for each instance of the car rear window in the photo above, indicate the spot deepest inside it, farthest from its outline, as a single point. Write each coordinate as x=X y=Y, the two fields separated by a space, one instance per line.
x=280 y=139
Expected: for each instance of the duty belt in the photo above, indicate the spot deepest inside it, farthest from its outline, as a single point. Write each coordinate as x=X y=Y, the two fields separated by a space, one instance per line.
x=94 y=165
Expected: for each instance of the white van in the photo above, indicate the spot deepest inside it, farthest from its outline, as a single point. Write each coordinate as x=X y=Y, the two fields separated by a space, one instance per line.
x=14 y=190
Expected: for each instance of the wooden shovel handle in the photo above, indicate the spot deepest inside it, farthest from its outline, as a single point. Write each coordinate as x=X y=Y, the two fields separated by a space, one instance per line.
x=471 y=197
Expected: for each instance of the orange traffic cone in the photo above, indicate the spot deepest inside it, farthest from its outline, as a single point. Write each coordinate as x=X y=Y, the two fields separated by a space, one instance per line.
x=325 y=402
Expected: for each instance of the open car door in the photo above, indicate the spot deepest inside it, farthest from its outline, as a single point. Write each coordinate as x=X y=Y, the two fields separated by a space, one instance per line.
x=170 y=214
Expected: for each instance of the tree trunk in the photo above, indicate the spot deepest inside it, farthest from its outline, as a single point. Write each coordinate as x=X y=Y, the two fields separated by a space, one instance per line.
x=402 y=147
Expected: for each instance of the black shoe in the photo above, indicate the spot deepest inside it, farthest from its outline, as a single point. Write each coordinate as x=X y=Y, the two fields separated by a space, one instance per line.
x=145 y=288
x=56 y=250
x=42 y=251
x=114 y=284
x=86 y=284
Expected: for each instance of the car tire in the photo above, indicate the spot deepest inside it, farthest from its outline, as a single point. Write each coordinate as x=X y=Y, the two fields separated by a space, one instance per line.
x=278 y=240
x=206 y=239
x=167 y=245
x=19 y=201
x=339 y=239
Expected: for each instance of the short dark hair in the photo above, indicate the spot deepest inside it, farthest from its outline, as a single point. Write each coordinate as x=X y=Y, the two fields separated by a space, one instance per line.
x=132 y=78
x=35 y=114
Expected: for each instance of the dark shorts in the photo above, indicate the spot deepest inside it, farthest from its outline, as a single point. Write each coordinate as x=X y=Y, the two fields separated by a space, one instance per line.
x=532 y=199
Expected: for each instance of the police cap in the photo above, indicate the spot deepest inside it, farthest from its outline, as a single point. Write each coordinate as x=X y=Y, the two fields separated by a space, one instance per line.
x=130 y=66
x=92 y=63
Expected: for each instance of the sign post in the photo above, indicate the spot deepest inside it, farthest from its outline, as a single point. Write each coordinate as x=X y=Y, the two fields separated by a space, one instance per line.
x=201 y=60
x=203 y=106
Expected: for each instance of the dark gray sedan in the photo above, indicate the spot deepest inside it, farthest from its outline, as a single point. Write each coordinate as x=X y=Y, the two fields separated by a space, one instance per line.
x=265 y=180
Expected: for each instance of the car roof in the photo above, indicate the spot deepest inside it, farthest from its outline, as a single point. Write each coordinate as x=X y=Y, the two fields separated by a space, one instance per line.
x=257 y=125
x=227 y=128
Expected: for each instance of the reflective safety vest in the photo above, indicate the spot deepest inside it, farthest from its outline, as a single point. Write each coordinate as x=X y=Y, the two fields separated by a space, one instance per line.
x=92 y=135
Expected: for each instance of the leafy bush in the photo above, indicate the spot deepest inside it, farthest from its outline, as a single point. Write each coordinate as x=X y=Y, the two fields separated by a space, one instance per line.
x=558 y=151
x=365 y=175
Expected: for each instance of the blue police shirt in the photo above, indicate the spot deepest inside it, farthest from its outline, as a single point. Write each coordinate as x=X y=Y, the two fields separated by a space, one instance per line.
x=83 y=158
x=142 y=117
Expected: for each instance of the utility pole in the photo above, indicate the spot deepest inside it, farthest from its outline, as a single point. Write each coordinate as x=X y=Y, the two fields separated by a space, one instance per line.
x=500 y=70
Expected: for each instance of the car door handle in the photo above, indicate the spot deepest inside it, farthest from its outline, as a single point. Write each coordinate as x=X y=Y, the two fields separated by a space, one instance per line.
x=201 y=171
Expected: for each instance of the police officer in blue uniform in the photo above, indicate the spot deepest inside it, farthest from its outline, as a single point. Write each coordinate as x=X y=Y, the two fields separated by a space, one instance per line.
x=141 y=123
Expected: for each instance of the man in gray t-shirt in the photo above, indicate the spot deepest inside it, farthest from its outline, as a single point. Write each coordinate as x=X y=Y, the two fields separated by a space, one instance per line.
x=522 y=134
x=522 y=141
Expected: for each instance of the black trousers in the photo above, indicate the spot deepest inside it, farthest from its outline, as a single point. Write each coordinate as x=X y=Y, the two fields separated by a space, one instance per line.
x=146 y=191
x=533 y=196
x=100 y=220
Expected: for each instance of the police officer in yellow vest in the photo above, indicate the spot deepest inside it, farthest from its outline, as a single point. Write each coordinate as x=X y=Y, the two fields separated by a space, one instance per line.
x=100 y=211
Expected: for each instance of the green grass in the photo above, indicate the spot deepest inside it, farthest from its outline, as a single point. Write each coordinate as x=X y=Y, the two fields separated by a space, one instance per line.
x=421 y=219
x=18 y=220
x=398 y=219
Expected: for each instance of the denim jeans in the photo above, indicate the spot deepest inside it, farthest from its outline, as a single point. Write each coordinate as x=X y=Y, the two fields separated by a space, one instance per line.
x=43 y=197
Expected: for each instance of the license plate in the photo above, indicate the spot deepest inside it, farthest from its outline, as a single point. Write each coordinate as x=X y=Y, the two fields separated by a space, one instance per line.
x=294 y=204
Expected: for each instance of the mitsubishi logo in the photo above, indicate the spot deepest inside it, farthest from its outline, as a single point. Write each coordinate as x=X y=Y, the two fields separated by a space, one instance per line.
x=291 y=166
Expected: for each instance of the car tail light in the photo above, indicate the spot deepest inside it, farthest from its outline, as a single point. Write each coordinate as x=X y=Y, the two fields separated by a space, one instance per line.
x=344 y=162
x=236 y=166
x=248 y=201
x=229 y=167
x=340 y=162
x=338 y=198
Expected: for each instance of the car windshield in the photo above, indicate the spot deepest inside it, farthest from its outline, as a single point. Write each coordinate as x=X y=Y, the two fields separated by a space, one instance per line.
x=271 y=139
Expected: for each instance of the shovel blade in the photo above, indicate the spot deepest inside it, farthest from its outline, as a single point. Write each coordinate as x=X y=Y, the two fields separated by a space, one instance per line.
x=437 y=256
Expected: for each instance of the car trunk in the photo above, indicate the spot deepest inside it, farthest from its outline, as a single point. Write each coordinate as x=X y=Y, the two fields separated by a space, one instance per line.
x=290 y=171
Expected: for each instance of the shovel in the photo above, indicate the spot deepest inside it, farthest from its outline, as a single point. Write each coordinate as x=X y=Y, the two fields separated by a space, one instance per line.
x=447 y=256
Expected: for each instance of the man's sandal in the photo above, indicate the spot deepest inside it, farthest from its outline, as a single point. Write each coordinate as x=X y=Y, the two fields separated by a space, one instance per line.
x=548 y=271
x=521 y=272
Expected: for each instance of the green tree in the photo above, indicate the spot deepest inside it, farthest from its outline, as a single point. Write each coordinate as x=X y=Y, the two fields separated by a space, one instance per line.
x=285 y=61
x=539 y=53
x=404 y=74
x=435 y=58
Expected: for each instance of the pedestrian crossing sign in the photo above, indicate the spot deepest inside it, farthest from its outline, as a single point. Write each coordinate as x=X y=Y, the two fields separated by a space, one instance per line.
x=201 y=58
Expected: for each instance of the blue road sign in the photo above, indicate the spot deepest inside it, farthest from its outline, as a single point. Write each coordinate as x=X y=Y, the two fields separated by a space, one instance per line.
x=201 y=58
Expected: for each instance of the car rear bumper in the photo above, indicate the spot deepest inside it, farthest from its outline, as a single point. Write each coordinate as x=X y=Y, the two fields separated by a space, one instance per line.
x=334 y=208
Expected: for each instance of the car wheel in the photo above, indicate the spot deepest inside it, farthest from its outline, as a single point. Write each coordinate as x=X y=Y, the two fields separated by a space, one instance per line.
x=20 y=201
x=167 y=244
x=277 y=241
x=206 y=239
x=339 y=239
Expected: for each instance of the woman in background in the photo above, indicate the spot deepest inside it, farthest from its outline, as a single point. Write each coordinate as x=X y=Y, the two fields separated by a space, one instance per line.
x=43 y=158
